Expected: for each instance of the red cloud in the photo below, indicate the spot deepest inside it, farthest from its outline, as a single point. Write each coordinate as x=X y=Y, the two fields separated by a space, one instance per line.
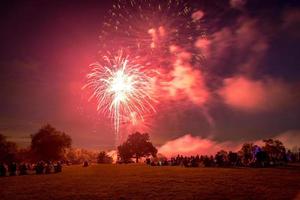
x=197 y=15
x=290 y=139
x=254 y=95
x=188 y=145
x=204 y=45
x=187 y=83
x=184 y=81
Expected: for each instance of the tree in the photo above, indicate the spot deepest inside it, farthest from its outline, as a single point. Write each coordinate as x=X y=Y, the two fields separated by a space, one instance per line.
x=49 y=143
x=8 y=150
x=125 y=153
x=221 y=158
x=233 y=158
x=24 y=155
x=79 y=155
x=104 y=158
x=262 y=159
x=71 y=156
x=247 y=153
x=136 y=146
x=275 y=149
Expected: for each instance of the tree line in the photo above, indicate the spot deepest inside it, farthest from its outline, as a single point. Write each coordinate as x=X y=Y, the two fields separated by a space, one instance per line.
x=49 y=144
x=272 y=153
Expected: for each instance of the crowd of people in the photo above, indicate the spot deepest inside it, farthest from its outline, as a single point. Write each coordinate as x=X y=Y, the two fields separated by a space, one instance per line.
x=186 y=161
x=228 y=159
x=14 y=169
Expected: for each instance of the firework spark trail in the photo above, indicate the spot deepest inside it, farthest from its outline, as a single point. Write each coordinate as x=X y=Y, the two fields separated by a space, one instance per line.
x=150 y=27
x=121 y=87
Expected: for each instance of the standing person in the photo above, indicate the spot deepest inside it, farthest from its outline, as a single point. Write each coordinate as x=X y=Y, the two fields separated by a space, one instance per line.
x=57 y=167
x=36 y=167
x=85 y=164
x=12 y=169
x=2 y=169
x=39 y=168
x=48 y=168
x=23 y=169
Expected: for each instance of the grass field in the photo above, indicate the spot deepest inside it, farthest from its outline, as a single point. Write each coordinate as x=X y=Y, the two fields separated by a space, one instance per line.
x=145 y=182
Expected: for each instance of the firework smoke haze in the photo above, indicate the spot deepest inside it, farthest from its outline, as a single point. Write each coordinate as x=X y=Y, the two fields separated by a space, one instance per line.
x=147 y=30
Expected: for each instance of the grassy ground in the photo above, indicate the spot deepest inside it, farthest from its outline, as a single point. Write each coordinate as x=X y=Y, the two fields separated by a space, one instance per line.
x=145 y=182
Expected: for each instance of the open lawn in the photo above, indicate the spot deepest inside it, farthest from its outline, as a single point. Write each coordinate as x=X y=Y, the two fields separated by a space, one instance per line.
x=145 y=182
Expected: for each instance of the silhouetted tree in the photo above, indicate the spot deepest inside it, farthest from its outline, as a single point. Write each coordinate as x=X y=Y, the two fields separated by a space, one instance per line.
x=49 y=143
x=8 y=150
x=233 y=158
x=136 y=146
x=207 y=161
x=125 y=153
x=24 y=155
x=79 y=155
x=221 y=158
x=247 y=153
x=275 y=149
x=104 y=158
x=262 y=159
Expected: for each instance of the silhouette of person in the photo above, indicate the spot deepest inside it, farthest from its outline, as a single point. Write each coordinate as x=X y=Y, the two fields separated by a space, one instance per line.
x=39 y=168
x=57 y=167
x=2 y=169
x=12 y=169
x=85 y=164
x=48 y=168
x=23 y=169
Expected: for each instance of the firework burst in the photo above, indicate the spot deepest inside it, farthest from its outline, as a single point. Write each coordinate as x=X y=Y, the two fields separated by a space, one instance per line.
x=122 y=88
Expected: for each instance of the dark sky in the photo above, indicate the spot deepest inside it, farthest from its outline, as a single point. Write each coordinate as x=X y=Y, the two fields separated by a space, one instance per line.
x=47 y=46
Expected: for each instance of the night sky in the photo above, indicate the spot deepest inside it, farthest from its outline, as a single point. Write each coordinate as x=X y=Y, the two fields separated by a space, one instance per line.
x=251 y=73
